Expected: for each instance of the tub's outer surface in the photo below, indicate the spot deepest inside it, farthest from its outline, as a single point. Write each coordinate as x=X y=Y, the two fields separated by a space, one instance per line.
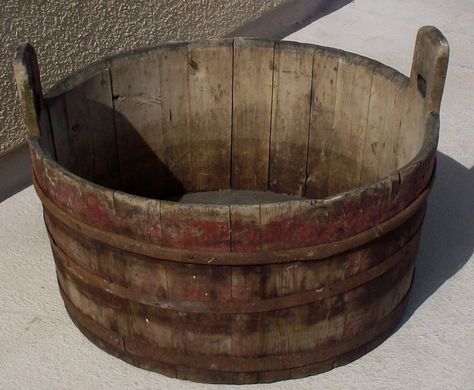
x=239 y=293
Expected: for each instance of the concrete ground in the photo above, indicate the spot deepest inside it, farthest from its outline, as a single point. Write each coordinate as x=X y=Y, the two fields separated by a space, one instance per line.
x=433 y=348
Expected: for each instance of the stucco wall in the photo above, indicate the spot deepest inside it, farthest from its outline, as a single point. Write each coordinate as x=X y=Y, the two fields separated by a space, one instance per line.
x=69 y=34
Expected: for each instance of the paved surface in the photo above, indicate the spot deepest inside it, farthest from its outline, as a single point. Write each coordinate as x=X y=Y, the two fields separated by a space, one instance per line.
x=434 y=346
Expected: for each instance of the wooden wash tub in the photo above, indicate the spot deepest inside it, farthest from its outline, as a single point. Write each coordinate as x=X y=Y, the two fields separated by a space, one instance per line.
x=245 y=289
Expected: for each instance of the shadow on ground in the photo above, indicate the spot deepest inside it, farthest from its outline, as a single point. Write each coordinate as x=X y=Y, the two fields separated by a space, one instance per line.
x=288 y=18
x=15 y=172
x=447 y=240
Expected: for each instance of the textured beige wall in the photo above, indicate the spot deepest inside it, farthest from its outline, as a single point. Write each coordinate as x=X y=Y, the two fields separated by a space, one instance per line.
x=69 y=34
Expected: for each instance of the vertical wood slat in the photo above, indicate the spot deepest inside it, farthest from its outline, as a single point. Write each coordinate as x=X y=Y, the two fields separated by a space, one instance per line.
x=137 y=108
x=245 y=228
x=350 y=122
x=196 y=332
x=175 y=115
x=280 y=330
x=278 y=224
x=412 y=127
x=380 y=95
x=47 y=136
x=322 y=118
x=247 y=334
x=420 y=126
x=290 y=117
x=107 y=317
x=137 y=217
x=90 y=119
x=391 y=130
x=210 y=105
x=59 y=127
x=252 y=102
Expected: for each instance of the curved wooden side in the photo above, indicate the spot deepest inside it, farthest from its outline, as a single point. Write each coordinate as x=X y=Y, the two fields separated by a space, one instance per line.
x=216 y=257
x=305 y=280
x=199 y=233
x=110 y=343
x=235 y=324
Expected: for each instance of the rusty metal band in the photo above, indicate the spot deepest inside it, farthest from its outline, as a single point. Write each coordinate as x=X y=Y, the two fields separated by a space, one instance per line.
x=142 y=348
x=114 y=291
x=317 y=252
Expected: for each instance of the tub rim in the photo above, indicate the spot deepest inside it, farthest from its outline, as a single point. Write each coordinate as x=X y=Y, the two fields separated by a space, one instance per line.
x=430 y=139
x=422 y=164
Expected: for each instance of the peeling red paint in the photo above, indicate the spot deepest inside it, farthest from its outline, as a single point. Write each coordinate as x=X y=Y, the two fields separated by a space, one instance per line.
x=69 y=196
x=197 y=234
x=280 y=234
x=95 y=212
x=246 y=237
x=153 y=231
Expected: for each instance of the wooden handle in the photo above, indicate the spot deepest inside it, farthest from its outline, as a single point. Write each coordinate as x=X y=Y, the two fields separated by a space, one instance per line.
x=28 y=83
x=430 y=63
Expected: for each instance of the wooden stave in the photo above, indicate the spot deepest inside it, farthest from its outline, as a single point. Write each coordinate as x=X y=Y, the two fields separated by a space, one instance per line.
x=428 y=159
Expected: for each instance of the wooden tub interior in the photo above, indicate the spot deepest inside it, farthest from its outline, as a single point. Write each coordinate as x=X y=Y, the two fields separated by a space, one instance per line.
x=236 y=114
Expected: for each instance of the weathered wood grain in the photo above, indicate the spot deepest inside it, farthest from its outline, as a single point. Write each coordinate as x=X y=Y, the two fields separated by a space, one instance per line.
x=412 y=126
x=322 y=119
x=252 y=110
x=245 y=228
x=210 y=109
x=380 y=102
x=276 y=221
x=292 y=79
x=350 y=122
x=391 y=129
x=175 y=122
x=137 y=104
x=194 y=226
x=137 y=217
x=90 y=118
x=59 y=127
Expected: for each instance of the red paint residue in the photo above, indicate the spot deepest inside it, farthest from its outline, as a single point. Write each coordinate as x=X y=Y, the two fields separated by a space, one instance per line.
x=69 y=197
x=245 y=237
x=96 y=213
x=202 y=235
x=153 y=232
